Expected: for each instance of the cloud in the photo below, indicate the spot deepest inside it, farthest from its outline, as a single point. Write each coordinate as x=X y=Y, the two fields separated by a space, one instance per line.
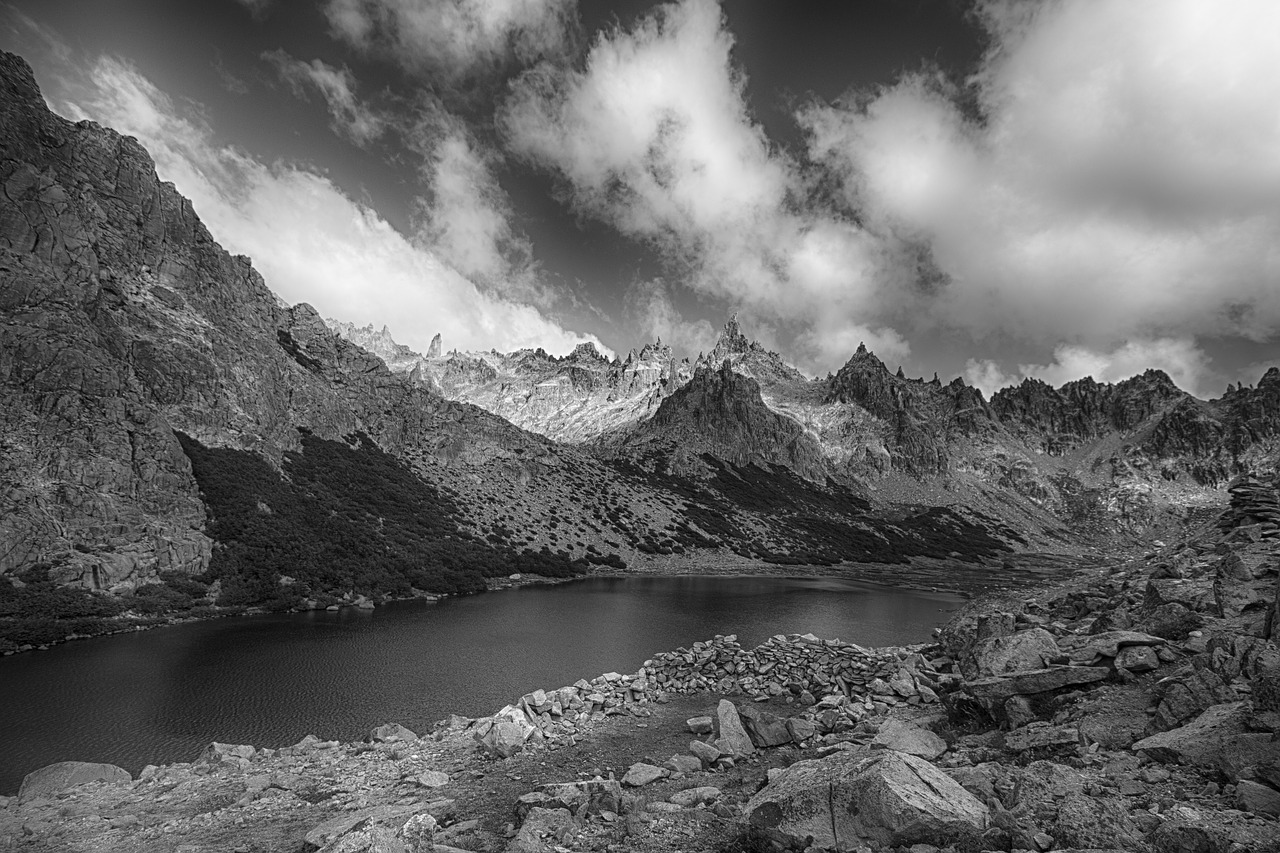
x=310 y=241
x=1185 y=363
x=1122 y=185
x=653 y=136
x=257 y=8
x=467 y=218
x=654 y=316
x=453 y=39
x=349 y=116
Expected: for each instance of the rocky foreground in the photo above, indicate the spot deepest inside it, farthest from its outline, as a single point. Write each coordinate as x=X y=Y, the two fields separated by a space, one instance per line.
x=1130 y=708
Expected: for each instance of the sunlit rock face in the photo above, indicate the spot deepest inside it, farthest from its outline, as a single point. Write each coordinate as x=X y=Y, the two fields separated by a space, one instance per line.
x=123 y=322
x=571 y=399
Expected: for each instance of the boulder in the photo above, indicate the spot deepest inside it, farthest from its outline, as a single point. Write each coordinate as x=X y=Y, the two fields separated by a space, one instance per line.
x=391 y=733
x=1257 y=798
x=733 y=739
x=419 y=834
x=683 y=764
x=999 y=688
x=588 y=796
x=1110 y=644
x=641 y=774
x=700 y=725
x=764 y=729
x=53 y=778
x=369 y=839
x=543 y=831
x=801 y=729
x=1218 y=739
x=1039 y=735
x=507 y=732
x=1186 y=694
x=1138 y=659
x=845 y=800
x=909 y=738
x=433 y=779
x=1231 y=598
x=705 y=752
x=216 y=753
x=691 y=797
x=1018 y=652
x=1172 y=621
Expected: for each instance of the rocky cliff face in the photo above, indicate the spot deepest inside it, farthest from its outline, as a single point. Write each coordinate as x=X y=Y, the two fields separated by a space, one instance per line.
x=721 y=413
x=571 y=399
x=125 y=321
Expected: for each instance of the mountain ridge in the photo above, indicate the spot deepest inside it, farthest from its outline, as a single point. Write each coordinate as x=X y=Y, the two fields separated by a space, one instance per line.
x=134 y=344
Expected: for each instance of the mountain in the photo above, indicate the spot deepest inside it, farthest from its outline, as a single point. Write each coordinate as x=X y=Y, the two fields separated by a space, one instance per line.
x=720 y=413
x=1123 y=457
x=170 y=429
x=571 y=399
x=173 y=433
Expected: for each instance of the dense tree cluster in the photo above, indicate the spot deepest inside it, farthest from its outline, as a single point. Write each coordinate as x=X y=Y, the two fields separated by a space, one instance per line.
x=341 y=516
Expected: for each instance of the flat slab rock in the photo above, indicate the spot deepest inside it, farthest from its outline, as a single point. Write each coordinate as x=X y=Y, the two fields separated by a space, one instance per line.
x=1002 y=687
x=1218 y=738
x=67 y=774
x=847 y=799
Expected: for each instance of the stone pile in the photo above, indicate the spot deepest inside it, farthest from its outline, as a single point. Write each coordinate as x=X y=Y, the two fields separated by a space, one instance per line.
x=797 y=663
x=842 y=682
x=1254 y=501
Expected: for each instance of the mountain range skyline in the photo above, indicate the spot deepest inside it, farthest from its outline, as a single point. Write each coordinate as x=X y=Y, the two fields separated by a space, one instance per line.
x=954 y=184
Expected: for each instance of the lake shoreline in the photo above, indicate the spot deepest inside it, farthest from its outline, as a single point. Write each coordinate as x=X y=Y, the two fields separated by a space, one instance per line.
x=921 y=574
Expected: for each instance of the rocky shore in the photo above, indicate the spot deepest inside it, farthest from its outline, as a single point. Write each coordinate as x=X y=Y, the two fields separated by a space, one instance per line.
x=1129 y=707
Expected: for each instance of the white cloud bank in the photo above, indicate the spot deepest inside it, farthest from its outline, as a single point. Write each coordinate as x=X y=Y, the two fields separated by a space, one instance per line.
x=1180 y=358
x=653 y=136
x=1121 y=190
x=1122 y=197
x=311 y=242
x=453 y=39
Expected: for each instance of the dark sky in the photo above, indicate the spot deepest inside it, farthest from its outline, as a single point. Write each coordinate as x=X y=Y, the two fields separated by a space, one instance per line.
x=639 y=252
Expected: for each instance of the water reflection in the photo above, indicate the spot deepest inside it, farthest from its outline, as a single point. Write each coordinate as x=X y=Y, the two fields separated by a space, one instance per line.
x=160 y=696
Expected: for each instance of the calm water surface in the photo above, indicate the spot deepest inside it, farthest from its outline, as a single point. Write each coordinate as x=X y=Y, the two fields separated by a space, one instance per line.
x=159 y=696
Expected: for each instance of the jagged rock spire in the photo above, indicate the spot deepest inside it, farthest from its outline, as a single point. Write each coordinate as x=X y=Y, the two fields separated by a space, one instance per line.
x=433 y=351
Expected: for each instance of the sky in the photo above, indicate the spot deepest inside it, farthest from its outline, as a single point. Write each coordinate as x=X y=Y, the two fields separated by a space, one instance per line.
x=990 y=189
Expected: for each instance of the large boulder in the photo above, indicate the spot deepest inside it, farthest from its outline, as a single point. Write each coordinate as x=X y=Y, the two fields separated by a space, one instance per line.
x=847 y=799
x=543 y=831
x=909 y=738
x=998 y=688
x=588 y=796
x=506 y=733
x=391 y=733
x=1109 y=644
x=1018 y=652
x=1217 y=739
x=733 y=739
x=67 y=774
x=764 y=729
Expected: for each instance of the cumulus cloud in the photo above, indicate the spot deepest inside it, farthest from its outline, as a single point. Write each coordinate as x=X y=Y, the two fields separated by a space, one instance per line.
x=453 y=39
x=653 y=136
x=349 y=116
x=1185 y=363
x=310 y=241
x=655 y=316
x=1123 y=185
x=467 y=218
